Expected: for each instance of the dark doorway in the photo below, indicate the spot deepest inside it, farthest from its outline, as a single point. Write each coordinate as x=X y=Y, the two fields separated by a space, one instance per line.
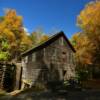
x=9 y=78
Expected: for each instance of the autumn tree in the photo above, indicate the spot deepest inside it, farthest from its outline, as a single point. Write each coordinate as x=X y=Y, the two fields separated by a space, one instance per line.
x=83 y=48
x=38 y=36
x=89 y=22
x=11 y=28
x=87 y=42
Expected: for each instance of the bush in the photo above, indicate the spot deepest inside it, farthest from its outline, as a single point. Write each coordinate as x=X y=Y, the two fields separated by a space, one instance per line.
x=82 y=75
x=72 y=84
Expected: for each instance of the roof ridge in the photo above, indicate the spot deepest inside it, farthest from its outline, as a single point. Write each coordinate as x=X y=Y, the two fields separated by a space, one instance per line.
x=50 y=38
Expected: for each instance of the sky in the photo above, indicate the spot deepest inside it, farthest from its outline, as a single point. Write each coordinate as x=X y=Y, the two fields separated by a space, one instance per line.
x=49 y=15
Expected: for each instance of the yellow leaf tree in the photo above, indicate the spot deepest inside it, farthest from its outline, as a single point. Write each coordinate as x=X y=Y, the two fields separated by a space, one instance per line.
x=11 y=28
x=89 y=22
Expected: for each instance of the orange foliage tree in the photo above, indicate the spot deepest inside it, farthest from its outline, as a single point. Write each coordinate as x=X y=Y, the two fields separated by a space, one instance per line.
x=11 y=28
x=89 y=22
x=87 y=42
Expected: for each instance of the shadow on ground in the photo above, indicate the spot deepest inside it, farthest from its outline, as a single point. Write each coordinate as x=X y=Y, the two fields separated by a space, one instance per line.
x=61 y=95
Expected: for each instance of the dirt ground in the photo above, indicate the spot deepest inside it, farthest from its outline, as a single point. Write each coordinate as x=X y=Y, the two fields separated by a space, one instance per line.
x=48 y=95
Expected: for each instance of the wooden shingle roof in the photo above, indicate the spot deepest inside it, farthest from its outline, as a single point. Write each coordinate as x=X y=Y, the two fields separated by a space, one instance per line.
x=47 y=42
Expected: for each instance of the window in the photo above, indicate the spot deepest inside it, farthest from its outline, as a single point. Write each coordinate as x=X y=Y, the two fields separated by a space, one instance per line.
x=54 y=54
x=33 y=57
x=62 y=41
x=44 y=75
x=68 y=57
x=63 y=52
x=72 y=58
x=30 y=57
x=26 y=59
x=44 y=52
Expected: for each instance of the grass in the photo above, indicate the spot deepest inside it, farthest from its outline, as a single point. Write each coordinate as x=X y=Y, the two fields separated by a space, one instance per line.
x=2 y=93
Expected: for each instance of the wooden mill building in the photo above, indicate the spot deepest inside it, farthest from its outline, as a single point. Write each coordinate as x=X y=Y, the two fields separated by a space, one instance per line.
x=52 y=60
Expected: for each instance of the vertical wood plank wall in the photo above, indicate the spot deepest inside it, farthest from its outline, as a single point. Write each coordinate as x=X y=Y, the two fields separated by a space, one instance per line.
x=54 y=62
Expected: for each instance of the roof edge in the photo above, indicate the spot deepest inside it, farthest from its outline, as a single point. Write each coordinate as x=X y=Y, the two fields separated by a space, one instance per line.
x=61 y=33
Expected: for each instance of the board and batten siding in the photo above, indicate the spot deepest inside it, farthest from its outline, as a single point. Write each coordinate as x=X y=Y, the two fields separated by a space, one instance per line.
x=54 y=62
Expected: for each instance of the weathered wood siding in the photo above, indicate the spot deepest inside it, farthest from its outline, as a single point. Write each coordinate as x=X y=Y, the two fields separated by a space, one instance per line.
x=54 y=62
